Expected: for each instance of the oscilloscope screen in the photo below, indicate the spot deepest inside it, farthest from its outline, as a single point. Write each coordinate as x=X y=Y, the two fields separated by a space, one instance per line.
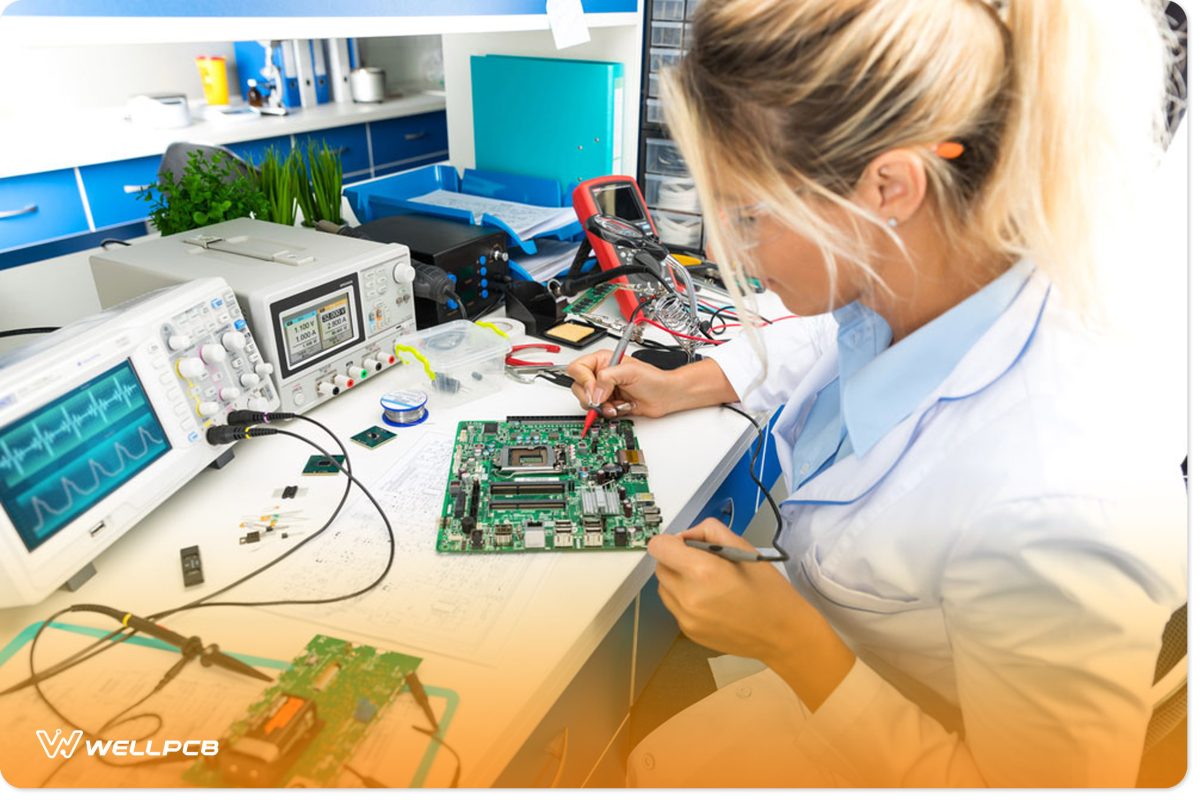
x=73 y=452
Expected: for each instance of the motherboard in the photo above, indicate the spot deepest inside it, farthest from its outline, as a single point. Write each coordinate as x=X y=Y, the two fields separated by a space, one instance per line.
x=533 y=483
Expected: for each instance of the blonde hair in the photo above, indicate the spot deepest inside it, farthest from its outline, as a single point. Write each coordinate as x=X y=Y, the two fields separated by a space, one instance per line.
x=1058 y=103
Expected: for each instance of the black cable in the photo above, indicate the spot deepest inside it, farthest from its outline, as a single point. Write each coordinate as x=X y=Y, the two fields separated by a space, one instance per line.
x=783 y=556
x=104 y=244
x=27 y=331
x=572 y=286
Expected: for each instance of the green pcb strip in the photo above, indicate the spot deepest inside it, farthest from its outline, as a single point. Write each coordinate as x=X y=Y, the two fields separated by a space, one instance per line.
x=306 y=726
x=590 y=300
x=532 y=483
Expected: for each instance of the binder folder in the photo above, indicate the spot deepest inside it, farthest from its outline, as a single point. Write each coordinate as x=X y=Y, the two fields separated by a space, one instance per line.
x=552 y=118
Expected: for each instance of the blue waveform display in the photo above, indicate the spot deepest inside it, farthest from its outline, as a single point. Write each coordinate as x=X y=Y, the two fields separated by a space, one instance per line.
x=71 y=453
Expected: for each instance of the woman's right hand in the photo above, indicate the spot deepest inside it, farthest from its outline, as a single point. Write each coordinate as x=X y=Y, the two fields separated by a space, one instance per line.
x=632 y=387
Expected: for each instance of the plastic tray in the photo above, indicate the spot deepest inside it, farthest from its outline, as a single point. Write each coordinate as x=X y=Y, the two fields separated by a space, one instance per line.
x=454 y=363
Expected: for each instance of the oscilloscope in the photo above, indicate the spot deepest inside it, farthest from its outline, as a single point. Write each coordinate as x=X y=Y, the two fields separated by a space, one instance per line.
x=326 y=308
x=102 y=421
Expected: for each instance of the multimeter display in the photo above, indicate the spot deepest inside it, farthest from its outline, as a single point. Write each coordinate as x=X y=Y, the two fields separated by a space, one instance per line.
x=620 y=201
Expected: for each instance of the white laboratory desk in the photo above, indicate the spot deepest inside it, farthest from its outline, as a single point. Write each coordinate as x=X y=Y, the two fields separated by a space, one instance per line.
x=573 y=608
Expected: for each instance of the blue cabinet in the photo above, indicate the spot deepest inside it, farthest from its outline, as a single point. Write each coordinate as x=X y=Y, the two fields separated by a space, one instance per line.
x=113 y=188
x=737 y=499
x=254 y=150
x=34 y=208
x=403 y=142
x=351 y=143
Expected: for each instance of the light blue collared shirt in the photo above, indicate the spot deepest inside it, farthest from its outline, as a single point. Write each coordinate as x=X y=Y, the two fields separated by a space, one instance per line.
x=878 y=386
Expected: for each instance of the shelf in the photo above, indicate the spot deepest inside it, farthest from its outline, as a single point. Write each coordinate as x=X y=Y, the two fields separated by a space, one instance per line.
x=39 y=144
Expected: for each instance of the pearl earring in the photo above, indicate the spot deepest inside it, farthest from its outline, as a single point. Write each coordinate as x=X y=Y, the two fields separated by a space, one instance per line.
x=893 y=222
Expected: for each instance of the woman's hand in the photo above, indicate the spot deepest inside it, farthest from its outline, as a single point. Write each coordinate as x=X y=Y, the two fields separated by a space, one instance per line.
x=748 y=609
x=635 y=387
x=631 y=387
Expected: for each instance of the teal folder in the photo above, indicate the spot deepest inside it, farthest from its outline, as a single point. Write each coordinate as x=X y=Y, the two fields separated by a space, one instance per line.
x=547 y=117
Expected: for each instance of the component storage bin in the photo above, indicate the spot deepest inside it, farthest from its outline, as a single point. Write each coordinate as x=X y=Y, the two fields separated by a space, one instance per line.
x=672 y=194
x=663 y=157
x=672 y=10
x=454 y=362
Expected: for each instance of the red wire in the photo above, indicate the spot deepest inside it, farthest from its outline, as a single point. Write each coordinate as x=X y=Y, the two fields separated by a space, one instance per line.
x=680 y=335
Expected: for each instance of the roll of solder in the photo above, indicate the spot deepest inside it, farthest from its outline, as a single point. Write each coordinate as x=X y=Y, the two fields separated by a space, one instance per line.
x=404 y=408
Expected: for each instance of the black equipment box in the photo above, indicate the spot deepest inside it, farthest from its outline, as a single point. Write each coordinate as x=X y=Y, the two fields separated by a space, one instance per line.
x=474 y=256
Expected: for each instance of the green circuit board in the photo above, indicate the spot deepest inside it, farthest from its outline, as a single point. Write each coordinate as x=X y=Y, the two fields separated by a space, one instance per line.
x=307 y=724
x=590 y=300
x=532 y=484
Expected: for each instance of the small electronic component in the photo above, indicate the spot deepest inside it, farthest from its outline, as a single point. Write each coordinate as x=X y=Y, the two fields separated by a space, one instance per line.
x=189 y=562
x=289 y=492
x=323 y=465
x=373 y=437
x=530 y=483
x=275 y=740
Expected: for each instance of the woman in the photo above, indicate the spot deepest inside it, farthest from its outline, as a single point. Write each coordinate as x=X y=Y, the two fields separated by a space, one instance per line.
x=985 y=530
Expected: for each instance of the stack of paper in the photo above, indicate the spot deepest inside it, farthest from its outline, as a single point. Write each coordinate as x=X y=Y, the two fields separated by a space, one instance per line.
x=551 y=258
x=526 y=221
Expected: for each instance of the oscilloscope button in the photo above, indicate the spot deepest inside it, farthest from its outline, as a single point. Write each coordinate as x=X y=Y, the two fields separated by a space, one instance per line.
x=212 y=353
x=229 y=393
x=208 y=408
x=190 y=367
x=248 y=380
x=178 y=342
x=264 y=369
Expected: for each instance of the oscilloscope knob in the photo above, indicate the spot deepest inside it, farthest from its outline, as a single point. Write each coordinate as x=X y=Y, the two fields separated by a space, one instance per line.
x=212 y=353
x=232 y=340
x=264 y=369
x=229 y=393
x=178 y=341
x=208 y=408
x=250 y=380
x=190 y=367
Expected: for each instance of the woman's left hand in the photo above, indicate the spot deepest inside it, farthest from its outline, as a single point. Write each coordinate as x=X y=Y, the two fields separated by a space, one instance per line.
x=740 y=608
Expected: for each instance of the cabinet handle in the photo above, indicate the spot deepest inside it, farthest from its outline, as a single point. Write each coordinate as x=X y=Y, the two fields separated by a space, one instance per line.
x=130 y=188
x=19 y=212
x=412 y=137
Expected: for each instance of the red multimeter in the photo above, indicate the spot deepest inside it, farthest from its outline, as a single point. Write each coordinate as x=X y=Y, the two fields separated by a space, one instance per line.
x=613 y=196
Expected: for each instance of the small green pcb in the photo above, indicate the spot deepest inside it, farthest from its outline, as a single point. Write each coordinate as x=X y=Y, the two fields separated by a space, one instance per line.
x=532 y=484
x=306 y=726
x=323 y=465
x=590 y=300
x=373 y=436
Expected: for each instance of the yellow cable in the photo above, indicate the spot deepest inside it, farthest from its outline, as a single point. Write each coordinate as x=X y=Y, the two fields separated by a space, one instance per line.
x=417 y=355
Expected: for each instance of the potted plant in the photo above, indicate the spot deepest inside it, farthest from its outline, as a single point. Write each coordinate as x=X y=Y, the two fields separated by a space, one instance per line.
x=318 y=181
x=211 y=189
x=277 y=177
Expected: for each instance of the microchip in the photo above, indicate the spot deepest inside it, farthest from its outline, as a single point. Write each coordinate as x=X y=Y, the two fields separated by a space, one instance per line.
x=621 y=537
x=193 y=570
x=323 y=465
x=373 y=437
x=491 y=427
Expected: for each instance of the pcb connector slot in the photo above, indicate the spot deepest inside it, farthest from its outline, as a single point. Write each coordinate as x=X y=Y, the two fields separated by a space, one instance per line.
x=530 y=503
x=527 y=487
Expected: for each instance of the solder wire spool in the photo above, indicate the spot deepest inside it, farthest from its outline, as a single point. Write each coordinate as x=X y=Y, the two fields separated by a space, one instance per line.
x=404 y=408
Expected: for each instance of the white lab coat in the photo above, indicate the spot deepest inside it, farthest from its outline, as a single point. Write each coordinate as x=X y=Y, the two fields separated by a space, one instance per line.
x=1002 y=562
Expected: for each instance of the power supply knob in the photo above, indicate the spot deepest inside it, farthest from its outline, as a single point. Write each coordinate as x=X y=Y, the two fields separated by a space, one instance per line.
x=384 y=357
x=343 y=381
x=249 y=381
x=212 y=353
x=190 y=367
x=208 y=408
x=232 y=340
x=264 y=369
x=178 y=341
x=403 y=273
x=325 y=388
x=229 y=393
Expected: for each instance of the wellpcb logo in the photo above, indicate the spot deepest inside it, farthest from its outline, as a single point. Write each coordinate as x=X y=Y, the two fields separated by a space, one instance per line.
x=58 y=745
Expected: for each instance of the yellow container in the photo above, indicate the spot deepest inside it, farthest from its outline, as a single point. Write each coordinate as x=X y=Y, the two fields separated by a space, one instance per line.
x=215 y=79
